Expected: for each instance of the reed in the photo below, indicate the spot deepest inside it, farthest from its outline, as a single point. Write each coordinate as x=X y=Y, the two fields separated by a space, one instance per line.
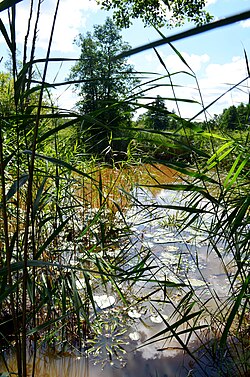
x=67 y=235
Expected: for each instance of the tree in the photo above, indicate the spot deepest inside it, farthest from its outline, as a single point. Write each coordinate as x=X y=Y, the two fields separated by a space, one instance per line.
x=157 y=12
x=103 y=85
x=229 y=118
x=235 y=118
x=157 y=117
x=244 y=115
x=11 y=112
x=7 y=102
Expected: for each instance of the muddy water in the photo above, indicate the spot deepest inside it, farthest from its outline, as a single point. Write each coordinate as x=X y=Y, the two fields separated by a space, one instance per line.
x=180 y=257
x=113 y=179
x=137 y=366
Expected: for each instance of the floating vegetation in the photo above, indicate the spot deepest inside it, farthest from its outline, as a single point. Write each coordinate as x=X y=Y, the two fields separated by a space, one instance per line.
x=109 y=340
x=156 y=319
x=196 y=283
x=104 y=301
x=133 y=313
x=135 y=336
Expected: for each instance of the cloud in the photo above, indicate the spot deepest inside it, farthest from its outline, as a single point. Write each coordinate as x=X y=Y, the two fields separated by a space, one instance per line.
x=234 y=70
x=219 y=78
x=70 y=21
x=210 y=2
x=194 y=61
x=245 y=24
x=213 y=78
x=174 y=63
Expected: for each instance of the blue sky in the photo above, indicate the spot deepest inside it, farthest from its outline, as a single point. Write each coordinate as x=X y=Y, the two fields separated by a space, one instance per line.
x=216 y=57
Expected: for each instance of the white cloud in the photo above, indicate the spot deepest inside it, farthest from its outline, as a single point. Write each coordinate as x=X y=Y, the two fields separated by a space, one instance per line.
x=71 y=19
x=226 y=74
x=219 y=78
x=214 y=80
x=175 y=64
x=210 y=2
x=245 y=24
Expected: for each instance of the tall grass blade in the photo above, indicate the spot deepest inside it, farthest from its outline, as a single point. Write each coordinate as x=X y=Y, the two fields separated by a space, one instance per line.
x=186 y=34
x=235 y=310
x=5 y=35
x=16 y=186
x=5 y=4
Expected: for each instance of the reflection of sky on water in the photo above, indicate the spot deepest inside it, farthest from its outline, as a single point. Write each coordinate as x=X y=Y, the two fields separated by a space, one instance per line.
x=181 y=257
x=175 y=256
x=182 y=254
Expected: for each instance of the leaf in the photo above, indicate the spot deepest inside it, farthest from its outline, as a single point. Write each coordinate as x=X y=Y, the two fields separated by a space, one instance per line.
x=218 y=152
x=237 y=173
x=57 y=129
x=45 y=324
x=181 y=57
x=38 y=196
x=234 y=312
x=219 y=156
x=60 y=163
x=51 y=237
x=8 y=290
x=16 y=186
x=8 y=159
x=5 y=34
x=242 y=211
x=34 y=89
x=247 y=63
x=5 y=4
x=231 y=171
x=186 y=34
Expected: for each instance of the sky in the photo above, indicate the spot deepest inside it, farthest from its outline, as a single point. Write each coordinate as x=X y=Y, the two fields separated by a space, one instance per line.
x=216 y=57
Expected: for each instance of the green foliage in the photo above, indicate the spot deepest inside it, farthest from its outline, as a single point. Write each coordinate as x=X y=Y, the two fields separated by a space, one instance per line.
x=7 y=104
x=103 y=84
x=157 y=118
x=65 y=235
x=235 y=118
x=156 y=12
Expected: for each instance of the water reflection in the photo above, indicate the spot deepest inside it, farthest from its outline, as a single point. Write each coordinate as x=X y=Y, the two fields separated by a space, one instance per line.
x=177 y=257
x=138 y=364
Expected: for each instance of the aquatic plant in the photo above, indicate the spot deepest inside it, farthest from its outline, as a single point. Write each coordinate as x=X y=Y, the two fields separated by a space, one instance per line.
x=215 y=202
x=68 y=235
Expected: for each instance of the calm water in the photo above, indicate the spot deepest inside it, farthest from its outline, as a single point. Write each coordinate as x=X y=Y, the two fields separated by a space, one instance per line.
x=178 y=257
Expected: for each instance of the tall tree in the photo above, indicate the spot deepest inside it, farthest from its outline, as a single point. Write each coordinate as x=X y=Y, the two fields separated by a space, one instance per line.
x=229 y=118
x=157 y=12
x=157 y=117
x=103 y=85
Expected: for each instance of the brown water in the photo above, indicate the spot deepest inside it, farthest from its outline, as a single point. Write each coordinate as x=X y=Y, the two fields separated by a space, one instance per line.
x=176 y=254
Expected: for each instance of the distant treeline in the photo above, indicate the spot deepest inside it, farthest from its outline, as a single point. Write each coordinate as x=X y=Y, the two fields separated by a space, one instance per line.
x=158 y=117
